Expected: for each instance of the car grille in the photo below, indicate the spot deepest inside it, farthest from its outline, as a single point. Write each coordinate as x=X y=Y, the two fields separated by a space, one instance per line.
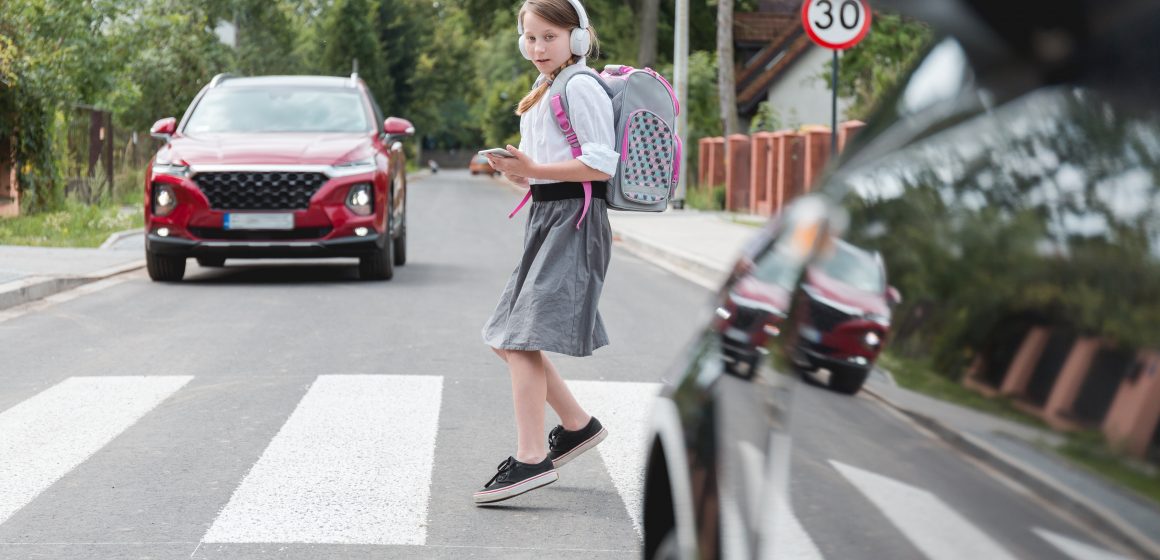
x=254 y=190
x=745 y=317
x=824 y=317
x=219 y=234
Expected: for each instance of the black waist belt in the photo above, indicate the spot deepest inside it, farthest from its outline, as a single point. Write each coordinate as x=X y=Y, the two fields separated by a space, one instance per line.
x=564 y=191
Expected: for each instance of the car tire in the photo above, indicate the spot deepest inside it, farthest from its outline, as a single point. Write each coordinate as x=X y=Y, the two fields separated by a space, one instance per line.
x=164 y=268
x=848 y=381
x=400 y=242
x=211 y=262
x=379 y=265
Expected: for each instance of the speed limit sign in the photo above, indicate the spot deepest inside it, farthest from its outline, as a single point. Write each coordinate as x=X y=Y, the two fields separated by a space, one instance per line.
x=836 y=24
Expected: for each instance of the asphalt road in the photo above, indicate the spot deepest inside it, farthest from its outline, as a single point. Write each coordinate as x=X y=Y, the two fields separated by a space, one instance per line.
x=287 y=409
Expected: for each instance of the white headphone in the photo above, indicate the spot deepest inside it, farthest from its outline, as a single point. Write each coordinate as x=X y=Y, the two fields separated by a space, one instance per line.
x=580 y=41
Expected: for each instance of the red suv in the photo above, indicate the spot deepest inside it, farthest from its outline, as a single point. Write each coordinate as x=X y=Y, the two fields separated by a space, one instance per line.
x=278 y=167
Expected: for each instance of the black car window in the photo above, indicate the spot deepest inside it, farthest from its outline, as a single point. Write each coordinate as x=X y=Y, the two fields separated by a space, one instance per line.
x=1045 y=209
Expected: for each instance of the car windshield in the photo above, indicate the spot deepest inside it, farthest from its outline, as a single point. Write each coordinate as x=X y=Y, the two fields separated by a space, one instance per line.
x=279 y=110
x=776 y=269
x=852 y=267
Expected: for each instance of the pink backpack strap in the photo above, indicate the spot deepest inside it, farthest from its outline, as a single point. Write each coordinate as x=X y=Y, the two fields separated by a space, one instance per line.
x=570 y=135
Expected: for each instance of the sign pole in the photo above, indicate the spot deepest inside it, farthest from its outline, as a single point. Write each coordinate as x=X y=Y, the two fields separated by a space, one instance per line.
x=836 y=25
x=834 y=108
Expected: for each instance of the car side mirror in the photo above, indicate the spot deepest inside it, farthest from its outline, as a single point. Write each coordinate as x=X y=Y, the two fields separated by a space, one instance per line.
x=893 y=296
x=396 y=127
x=164 y=128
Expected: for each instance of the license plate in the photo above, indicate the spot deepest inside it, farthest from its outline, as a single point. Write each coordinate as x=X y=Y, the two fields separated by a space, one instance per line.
x=281 y=220
x=811 y=334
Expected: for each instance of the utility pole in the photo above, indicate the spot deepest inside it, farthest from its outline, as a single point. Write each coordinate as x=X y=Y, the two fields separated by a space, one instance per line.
x=681 y=82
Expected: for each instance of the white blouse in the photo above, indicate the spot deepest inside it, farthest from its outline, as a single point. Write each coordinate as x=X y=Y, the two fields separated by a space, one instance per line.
x=590 y=112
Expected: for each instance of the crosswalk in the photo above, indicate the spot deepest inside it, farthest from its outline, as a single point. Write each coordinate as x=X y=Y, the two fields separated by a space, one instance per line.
x=352 y=464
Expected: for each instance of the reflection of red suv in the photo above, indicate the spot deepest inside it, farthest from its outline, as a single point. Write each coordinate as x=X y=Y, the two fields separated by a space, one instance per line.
x=278 y=167
x=844 y=313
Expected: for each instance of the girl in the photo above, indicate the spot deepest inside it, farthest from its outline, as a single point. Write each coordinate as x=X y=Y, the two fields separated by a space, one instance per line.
x=549 y=303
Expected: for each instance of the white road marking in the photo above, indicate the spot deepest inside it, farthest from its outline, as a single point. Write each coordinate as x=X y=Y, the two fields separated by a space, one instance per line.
x=48 y=435
x=1075 y=549
x=625 y=411
x=352 y=465
x=933 y=527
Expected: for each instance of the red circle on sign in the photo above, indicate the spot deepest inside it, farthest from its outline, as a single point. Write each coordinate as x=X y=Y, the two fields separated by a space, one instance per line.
x=839 y=46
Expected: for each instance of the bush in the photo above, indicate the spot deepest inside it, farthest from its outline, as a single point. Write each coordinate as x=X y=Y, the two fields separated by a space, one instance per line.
x=706 y=198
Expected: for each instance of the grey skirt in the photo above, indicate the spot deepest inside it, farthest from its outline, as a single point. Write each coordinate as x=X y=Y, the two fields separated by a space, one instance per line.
x=550 y=300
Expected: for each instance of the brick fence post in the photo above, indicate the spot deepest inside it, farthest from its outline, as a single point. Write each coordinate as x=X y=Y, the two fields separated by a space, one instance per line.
x=761 y=179
x=737 y=173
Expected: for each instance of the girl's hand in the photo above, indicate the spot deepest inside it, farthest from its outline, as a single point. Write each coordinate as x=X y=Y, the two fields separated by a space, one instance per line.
x=521 y=165
x=517 y=179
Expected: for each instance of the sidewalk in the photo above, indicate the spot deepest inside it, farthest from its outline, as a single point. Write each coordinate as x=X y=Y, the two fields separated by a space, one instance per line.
x=702 y=246
x=31 y=273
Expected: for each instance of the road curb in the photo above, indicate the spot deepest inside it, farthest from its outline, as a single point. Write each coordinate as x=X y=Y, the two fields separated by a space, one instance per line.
x=1046 y=488
x=690 y=266
x=33 y=288
x=115 y=238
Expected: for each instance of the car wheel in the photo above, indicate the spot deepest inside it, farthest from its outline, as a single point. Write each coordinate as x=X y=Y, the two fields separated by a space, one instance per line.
x=164 y=268
x=211 y=262
x=379 y=265
x=401 y=241
x=848 y=381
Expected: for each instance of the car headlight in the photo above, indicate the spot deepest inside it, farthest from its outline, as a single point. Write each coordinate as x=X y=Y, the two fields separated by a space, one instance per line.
x=353 y=167
x=164 y=199
x=872 y=340
x=876 y=318
x=360 y=199
x=171 y=169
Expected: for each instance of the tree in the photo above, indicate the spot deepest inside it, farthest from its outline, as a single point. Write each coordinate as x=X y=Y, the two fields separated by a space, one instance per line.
x=871 y=69
x=726 y=82
x=349 y=33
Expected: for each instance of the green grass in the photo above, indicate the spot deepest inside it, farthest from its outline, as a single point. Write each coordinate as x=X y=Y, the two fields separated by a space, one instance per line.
x=706 y=198
x=75 y=225
x=918 y=377
x=1087 y=450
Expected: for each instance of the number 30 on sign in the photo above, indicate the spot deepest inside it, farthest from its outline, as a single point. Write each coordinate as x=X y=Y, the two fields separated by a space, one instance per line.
x=836 y=24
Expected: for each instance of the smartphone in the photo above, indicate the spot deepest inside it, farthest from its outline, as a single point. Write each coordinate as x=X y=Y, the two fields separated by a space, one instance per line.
x=496 y=152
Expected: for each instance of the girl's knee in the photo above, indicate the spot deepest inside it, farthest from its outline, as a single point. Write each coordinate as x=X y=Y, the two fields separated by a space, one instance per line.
x=501 y=353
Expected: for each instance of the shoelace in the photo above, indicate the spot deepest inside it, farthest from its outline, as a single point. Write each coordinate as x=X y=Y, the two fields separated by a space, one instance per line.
x=503 y=468
x=554 y=436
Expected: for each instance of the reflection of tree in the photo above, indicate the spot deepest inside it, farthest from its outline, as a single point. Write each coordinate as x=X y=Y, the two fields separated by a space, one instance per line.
x=1021 y=214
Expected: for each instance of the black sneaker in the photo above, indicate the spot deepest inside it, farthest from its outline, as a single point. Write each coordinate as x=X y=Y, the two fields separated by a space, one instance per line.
x=563 y=445
x=514 y=478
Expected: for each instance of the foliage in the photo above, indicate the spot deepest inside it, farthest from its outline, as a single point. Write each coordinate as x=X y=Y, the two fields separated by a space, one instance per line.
x=706 y=197
x=73 y=225
x=870 y=70
x=451 y=67
x=767 y=119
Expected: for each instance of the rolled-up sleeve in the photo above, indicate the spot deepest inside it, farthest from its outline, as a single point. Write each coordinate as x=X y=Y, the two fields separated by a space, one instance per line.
x=590 y=112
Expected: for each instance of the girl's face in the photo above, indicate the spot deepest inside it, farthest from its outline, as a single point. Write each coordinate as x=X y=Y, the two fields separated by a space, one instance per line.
x=547 y=44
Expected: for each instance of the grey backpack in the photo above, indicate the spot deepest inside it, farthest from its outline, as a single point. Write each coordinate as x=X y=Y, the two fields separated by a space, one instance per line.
x=645 y=116
x=645 y=112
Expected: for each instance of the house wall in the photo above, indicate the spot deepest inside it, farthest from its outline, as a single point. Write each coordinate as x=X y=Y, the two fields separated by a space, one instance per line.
x=801 y=96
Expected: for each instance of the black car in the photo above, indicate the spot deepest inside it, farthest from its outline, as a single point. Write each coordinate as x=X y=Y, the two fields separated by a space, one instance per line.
x=1011 y=186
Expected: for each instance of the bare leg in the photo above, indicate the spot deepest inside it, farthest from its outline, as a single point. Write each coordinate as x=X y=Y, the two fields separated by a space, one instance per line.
x=572 y=416
x=529 y=392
